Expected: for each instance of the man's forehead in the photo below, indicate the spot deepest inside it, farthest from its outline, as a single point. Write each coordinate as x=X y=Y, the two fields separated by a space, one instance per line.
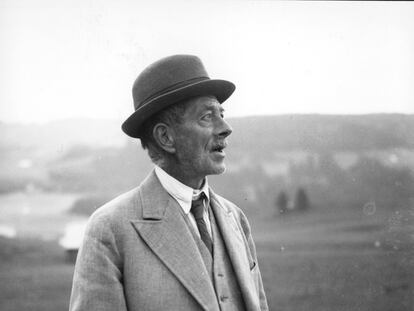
x=206 y=102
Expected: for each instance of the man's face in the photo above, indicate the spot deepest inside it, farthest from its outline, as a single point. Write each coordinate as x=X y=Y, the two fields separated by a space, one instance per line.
x=201 y=138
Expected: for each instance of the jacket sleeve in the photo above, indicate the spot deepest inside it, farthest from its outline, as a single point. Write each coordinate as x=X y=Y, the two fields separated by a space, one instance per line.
x=97 y=281
x=247 y=231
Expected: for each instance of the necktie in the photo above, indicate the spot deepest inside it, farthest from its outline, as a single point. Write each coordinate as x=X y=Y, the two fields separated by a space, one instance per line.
x=197 y=208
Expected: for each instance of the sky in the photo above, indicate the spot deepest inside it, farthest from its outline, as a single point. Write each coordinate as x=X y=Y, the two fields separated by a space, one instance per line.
x=78 y=59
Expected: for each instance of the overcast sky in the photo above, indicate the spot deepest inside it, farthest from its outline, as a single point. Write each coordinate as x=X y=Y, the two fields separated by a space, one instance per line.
x=64 y=59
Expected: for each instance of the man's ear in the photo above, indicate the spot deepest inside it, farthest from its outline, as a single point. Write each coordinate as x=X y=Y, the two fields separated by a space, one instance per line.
x=163 y=137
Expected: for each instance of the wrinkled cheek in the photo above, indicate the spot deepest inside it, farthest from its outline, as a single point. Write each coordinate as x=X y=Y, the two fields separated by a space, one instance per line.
x=189 y=156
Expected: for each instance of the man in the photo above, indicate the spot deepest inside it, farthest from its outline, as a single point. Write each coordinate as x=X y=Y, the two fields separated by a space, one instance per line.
x=172 y=243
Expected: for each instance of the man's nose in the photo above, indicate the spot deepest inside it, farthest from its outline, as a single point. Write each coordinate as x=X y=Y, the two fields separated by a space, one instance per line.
x=224 y=129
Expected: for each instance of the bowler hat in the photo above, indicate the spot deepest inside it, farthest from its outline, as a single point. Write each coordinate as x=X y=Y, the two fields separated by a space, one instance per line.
x=169 y=81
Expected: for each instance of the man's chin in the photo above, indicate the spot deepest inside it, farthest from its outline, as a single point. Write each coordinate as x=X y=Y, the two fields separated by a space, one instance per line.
x=218 y=169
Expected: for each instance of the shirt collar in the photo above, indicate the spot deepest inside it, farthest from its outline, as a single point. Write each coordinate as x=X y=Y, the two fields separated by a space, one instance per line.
x=180 y=192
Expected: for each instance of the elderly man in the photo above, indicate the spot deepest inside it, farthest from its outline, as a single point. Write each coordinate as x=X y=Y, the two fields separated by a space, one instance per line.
x=172 y=243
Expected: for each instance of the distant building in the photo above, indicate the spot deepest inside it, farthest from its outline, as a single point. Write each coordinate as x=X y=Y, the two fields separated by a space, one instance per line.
x=72 y=239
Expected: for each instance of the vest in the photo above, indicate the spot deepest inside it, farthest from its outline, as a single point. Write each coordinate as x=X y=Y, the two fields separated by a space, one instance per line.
x=220 y=269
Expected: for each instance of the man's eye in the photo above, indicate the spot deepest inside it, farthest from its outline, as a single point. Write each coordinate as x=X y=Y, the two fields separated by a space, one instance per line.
x=207 y=116
x=222 y=111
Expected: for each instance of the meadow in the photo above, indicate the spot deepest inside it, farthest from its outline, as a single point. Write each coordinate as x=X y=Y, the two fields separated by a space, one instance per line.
x=319 y=260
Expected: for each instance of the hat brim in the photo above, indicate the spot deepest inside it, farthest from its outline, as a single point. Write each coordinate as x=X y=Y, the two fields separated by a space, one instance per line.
x=221 y=89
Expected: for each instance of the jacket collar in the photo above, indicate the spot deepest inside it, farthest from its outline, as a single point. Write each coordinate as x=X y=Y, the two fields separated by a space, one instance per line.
x=164 y=230
x=166 y=233
x=238 y=250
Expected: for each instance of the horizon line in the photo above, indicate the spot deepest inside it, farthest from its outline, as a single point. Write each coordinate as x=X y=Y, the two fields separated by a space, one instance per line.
x=68 y=119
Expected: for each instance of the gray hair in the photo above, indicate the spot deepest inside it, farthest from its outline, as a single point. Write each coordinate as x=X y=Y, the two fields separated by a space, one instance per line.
x=172 y=116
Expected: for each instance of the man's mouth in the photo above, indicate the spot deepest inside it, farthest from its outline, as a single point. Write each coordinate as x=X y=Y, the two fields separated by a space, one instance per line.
x=219 y=147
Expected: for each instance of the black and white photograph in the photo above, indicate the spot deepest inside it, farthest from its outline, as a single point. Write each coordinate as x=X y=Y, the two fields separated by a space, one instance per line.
x=206 y=155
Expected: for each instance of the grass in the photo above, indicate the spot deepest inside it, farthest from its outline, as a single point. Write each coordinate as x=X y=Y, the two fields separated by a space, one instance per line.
x=316 y=261
x=337 y=280
x=338 y=261
x=34 y=276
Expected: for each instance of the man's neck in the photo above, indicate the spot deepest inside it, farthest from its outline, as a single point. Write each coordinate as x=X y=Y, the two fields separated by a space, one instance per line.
x=179 y=174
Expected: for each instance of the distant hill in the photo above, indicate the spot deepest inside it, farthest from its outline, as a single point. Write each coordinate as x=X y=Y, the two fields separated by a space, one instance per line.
x=258 y=133
x=337 y=158
x=324 y=132
x=61 y=134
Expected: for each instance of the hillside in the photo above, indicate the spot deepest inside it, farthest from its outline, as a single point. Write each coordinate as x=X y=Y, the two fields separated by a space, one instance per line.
x=324 y=132
x=336 y=159
x=285 y=132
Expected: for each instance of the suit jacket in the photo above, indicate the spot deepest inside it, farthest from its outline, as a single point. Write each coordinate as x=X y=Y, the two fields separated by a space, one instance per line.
x=139 y=254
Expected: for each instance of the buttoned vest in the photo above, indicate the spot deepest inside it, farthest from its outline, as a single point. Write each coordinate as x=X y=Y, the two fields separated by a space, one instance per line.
x=220 y=269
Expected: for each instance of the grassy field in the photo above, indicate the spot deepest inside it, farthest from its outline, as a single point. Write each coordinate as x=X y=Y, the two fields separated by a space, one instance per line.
x=337 y=262
x=34 y=276
x=316 y=261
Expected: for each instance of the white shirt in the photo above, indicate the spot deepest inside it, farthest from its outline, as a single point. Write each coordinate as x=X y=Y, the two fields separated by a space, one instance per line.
x=184 y=195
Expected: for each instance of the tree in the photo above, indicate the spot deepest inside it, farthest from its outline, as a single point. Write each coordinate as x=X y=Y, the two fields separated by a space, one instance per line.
x=282 y=202
x=301 y=200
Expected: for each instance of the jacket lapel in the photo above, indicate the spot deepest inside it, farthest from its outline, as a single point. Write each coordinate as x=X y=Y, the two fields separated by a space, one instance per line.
x=237 y=249
x=165 y=231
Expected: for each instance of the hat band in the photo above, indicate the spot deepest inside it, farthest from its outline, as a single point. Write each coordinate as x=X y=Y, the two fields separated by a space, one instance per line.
x=170 y=88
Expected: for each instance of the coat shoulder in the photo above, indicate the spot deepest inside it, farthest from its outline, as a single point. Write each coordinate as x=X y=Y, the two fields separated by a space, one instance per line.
x=119 y=206
x=116 y=213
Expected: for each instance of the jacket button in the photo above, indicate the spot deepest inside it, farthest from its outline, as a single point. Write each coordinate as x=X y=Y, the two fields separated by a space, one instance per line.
x=220 y=275
x=223 y=298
